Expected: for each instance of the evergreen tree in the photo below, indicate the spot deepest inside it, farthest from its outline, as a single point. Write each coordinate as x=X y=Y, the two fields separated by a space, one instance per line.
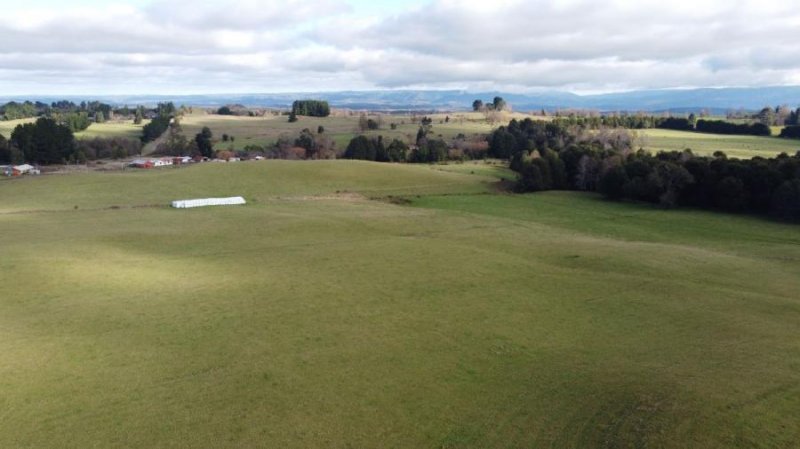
x=137 y=120
x=44 y=142
x=204 y=144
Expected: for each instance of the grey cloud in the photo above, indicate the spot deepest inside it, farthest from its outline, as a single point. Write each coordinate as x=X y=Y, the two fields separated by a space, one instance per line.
x=191 y=46
x=242 y=14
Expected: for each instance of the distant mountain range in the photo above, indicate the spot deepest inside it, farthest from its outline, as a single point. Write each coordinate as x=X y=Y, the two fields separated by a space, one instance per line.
x=675 y=100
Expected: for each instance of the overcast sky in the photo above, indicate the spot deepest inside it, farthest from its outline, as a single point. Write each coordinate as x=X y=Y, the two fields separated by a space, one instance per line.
x=250 y=46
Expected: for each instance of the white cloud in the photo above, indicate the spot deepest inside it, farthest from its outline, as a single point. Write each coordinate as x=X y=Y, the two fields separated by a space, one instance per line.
x=255 y=45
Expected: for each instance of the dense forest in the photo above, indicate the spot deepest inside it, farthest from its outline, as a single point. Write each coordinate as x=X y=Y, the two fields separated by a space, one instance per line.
x=551 y=156
x=43 y=142
x=791 y=132
x=426 y=149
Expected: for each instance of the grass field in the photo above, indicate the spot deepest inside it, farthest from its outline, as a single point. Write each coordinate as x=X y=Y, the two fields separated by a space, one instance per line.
x=706 y=144
x=107 y=129
x=266 y=130
x=7 y=126
x=317 y=317
x=112 y=129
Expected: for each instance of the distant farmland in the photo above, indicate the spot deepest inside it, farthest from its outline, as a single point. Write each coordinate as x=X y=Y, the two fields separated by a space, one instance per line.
x=264 y=131
x=705 y=144
x=108 y=129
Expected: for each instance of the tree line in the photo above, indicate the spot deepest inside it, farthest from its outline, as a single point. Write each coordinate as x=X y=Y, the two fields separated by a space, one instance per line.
x=497 y=104
x=758 y=185
x=777 y=116
x=675 y=123
x=93 y=109
x=311 y=108
x=427 y=148
x=160 y=123
x=551 y=156
x=724 y=127
x=791 y=132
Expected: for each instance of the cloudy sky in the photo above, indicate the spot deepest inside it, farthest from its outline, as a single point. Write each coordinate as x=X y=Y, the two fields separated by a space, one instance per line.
x=247 y=46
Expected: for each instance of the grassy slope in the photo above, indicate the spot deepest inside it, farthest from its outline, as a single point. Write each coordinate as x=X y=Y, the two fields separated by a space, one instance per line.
x=255 y=180
x=7 y=126
x=266 y=130
x=706 y=144
x=548 y=320
x=109 y=129
x=112 y=129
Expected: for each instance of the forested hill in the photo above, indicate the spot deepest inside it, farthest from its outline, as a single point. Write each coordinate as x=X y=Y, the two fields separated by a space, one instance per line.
x=712 y=99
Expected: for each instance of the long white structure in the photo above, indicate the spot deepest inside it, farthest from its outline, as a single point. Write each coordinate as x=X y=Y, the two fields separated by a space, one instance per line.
x=201 y=202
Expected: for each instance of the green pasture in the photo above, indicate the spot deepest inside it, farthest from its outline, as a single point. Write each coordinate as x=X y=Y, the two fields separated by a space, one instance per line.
x=706 y=144
x=266 y=130
x=326 y=313
x=108 y=129
x=7 y=126
x=125 y=129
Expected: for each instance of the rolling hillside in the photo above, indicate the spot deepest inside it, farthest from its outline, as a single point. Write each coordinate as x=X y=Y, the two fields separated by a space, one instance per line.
x=326 y=314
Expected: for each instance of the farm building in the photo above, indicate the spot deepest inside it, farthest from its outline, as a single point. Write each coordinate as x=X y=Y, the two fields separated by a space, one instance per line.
x=24 y=169
x=141 y=163
x=162 y=162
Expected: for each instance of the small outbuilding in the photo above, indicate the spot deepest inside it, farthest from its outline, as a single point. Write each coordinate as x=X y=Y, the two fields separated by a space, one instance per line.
x=24 y=169
x=141 y=163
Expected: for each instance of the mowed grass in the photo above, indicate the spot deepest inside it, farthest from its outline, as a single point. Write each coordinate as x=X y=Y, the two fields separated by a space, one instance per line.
x=744 y=147
x=311 y=319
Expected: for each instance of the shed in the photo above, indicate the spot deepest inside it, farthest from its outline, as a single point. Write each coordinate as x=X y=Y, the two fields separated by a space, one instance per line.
x=141 y=163
x=24 y=169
